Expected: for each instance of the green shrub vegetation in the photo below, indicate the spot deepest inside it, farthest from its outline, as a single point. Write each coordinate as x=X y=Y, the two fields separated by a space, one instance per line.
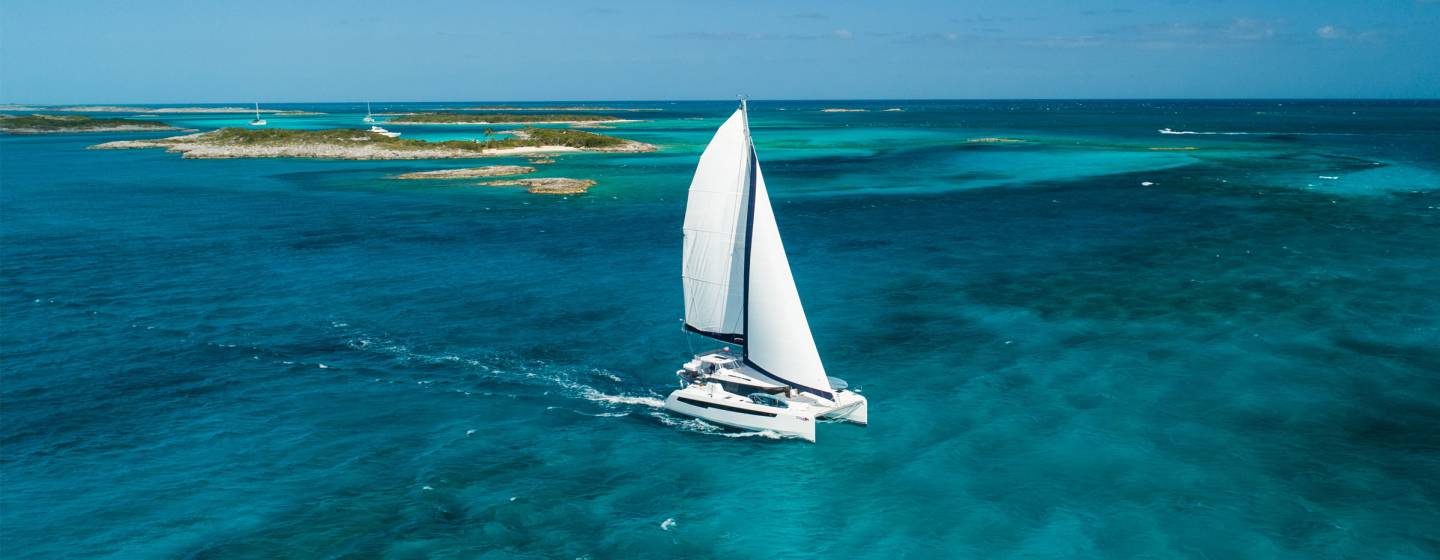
x=526 y=137
x=71 y=122
x=501 y=118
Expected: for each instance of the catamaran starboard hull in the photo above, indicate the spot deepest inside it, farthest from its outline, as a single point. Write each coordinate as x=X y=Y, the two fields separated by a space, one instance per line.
x=850 y=407
x=737 y=413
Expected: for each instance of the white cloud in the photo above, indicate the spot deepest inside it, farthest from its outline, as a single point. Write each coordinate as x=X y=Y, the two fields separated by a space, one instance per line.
x=1331 y=32
x=842 y=34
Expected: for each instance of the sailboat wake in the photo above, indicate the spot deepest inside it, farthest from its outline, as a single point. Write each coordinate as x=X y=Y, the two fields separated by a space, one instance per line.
x=500 y=375
x=591 y=394
x=506 y=376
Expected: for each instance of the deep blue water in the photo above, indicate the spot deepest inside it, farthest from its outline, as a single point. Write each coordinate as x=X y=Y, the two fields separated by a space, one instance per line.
x=305 y=359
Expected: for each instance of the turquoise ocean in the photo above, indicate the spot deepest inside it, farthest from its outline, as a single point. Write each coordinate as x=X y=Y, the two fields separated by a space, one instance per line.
x=1104 y=341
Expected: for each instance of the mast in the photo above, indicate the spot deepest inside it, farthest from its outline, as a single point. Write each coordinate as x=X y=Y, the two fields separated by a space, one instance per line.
x=749 y=223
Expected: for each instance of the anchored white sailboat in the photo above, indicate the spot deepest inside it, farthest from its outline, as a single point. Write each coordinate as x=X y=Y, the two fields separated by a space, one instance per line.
x=258 y=121
x=369 y=118
x=739 y=290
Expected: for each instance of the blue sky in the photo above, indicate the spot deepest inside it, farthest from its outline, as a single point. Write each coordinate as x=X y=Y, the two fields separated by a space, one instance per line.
x=165 y=52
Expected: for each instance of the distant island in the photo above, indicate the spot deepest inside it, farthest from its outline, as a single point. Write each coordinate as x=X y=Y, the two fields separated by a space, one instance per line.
x=276 y=112
x=345 y=143
x=503 y=118
x=45 y=124
x=835 y=110
x=160 y=110
x=571 y=108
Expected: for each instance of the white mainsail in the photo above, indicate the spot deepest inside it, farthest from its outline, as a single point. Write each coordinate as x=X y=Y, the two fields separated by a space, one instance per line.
x=714 y=253
x=738 y=285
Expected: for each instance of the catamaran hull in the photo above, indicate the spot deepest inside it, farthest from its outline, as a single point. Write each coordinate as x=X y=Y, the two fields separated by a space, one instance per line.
x=731 y=412
x=850 y=407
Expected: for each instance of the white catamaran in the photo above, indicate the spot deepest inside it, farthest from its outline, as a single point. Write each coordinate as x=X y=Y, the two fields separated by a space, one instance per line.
x=258 y=121
x=369 y=117
x=739 y=290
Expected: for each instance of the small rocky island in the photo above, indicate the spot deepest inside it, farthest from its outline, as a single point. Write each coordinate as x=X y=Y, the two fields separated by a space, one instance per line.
x=503 y=118
x=538 y=185
x=49 y=124
x=468 y=172
x=344 y=143
x=547 y=185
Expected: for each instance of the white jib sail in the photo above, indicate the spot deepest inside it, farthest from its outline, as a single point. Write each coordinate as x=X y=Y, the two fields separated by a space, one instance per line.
x=778 y=338
x=715 y=213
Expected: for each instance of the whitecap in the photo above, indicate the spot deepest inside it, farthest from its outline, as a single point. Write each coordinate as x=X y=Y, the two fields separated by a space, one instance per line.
x=667 y=524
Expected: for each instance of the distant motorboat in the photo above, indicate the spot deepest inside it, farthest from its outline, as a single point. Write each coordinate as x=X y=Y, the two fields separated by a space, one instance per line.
x=383 y=132
x=258 y=121
x=369 y=118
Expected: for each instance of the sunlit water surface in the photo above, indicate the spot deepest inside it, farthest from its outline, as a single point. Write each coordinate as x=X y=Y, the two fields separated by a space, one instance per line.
x=1078 y=345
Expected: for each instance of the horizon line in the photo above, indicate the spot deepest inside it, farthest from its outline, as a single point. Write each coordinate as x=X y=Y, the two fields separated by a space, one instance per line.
x=718 y=100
